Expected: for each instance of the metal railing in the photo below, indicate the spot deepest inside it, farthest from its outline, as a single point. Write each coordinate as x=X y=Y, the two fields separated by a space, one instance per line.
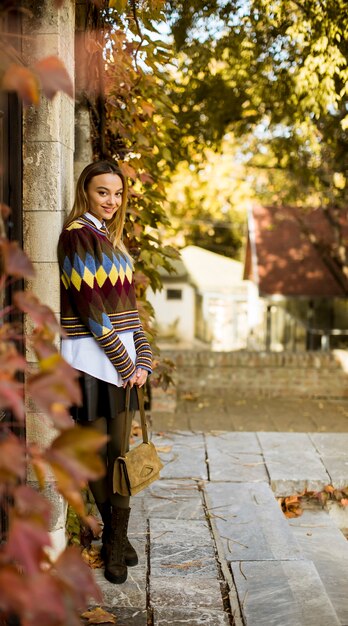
x=299 y=334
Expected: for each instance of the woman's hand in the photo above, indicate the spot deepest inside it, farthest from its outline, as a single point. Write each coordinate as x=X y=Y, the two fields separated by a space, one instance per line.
x=141 y=377
x=131 y=381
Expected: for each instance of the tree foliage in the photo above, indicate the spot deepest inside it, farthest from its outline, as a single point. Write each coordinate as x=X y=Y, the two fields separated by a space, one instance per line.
x=276 y=69
x=207 y=201
x=273 y=75
x=133 y=123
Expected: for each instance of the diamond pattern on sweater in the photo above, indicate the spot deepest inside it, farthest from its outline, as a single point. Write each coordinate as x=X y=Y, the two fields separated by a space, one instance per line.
x=98 y=296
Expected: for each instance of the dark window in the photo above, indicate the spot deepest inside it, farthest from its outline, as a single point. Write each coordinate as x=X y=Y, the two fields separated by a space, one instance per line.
x=174 y=294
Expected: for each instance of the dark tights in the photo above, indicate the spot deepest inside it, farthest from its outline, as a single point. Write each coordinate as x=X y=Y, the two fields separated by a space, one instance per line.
x=102 y=489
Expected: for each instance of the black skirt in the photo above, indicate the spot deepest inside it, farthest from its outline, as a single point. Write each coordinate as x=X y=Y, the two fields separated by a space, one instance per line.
x=101 y=399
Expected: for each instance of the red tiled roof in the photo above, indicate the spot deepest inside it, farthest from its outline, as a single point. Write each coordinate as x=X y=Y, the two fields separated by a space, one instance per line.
x=280 y=257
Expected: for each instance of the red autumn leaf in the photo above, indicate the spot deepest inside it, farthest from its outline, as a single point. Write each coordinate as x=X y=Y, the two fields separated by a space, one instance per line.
x=137 y=229
x=14 y=593
x=11 y=361
x=31 y=504
x=147 y=108
x=15 y=261
x=70 y=489
x=76 y=452
x=25 y=544
x=12 y=459
x=49 y=605
x=344 y=501
x=75 y=574
x=11 y=397
x=52 y=393
x=55 y=389
x=146 y=178
x=128 y=171
x=53 y=76
x=329 y=489
x=41 y=314
x=22 y=80
x=38 y=464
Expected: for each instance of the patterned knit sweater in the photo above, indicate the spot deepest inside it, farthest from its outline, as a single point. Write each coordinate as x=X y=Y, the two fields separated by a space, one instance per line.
x=97 y=294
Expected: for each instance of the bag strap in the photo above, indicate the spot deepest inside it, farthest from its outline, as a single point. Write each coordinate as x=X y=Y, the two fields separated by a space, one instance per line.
x=140 y=394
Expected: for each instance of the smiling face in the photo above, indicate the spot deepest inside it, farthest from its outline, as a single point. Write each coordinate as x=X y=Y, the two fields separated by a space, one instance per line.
x=104 y=195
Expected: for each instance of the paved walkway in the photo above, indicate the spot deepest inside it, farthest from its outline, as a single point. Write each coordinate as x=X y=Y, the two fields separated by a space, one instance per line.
x=215 y=547
x=249 y=413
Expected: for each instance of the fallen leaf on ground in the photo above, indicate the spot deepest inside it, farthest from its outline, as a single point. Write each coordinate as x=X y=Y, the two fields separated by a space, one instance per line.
x=99 y=616
x=291 y=506
x=91 y=556
x=164 y=448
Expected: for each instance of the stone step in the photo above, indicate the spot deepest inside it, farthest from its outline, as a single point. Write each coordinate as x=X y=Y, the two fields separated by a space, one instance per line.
x=183 y=455
x=277 y=582
x=323 y=543
x=282 y=593
x=235 y=457
x=250 y=523
x=293 y=463
x=332 y=448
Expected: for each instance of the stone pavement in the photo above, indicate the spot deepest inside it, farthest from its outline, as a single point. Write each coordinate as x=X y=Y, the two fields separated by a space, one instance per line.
x=228 y=411
x=215 y=547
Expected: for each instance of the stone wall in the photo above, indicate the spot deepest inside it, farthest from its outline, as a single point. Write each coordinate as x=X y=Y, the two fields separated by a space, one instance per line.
x=308 y=374
x=48 y=151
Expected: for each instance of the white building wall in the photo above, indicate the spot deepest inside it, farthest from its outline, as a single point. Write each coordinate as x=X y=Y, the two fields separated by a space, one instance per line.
x=175 y=318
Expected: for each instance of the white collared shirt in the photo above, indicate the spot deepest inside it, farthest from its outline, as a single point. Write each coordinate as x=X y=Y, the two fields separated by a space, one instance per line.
x=85 y=355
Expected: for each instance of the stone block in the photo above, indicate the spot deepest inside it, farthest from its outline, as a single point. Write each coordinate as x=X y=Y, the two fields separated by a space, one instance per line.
x=132 y=593
x=178 y=592
x=326 y=546
x=51 y=121
x=42 y=176
x=127 y=616
x=286 y=593
x=41 y=232
x=66 y=168
x=57 y=502
x=235 y=457
x=183 y=455
x=249 y=523
x=330 y=444
x=337 y=469
x=39 y=429
x=172 y=499
x=184 y=559
x=293 y=464
x=177 y=531
x=45 y=284
x=174 y=617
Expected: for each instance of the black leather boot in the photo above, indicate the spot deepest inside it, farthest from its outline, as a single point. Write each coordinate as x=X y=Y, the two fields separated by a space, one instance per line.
x=131 y=556
x=115 y=562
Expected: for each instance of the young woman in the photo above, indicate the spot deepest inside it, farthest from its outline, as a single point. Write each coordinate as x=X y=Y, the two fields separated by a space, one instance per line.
x=105 y=341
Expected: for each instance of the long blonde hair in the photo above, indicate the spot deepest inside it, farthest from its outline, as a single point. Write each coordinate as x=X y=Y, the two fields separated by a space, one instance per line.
x=80 y=206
